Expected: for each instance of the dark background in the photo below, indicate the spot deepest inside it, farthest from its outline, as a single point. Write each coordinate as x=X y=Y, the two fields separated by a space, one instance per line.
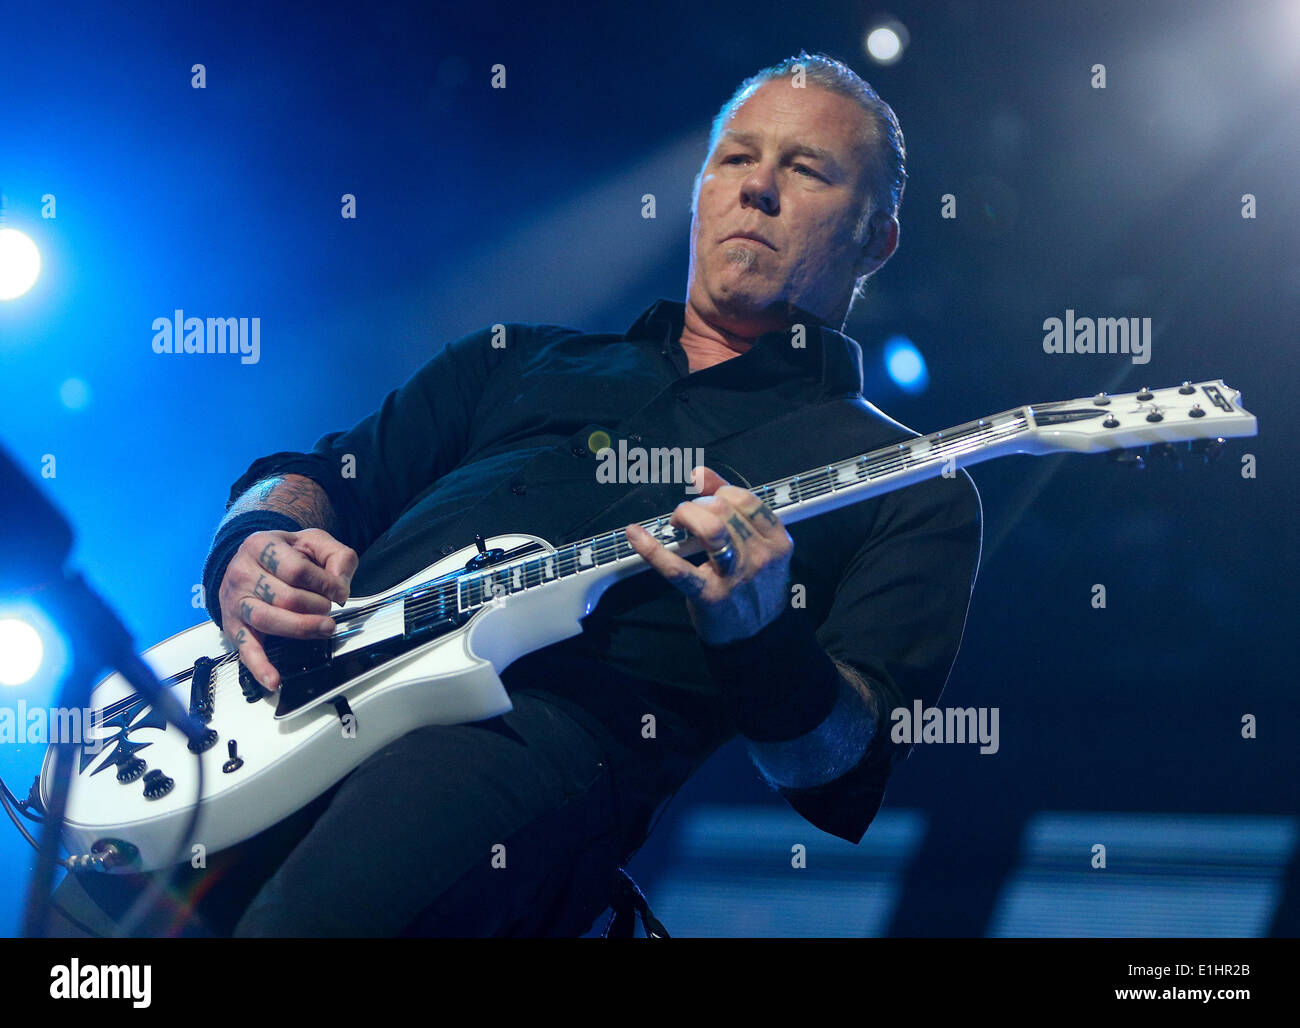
x=478 y=206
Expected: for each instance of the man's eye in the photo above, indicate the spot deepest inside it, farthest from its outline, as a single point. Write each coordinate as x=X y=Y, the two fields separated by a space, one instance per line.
x=734 y=157
x=804 y=167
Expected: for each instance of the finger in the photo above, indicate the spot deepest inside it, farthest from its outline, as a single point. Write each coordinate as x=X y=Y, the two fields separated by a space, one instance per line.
x=706 y=480
x=334 y=557
x=756 y=514
x=251 y=654
x=270 y=620
x=705 y=521
x=249 y=579
x=279 y=558
x=689 y=580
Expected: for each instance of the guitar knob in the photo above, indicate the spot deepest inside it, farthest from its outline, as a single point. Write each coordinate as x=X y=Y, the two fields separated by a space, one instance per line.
x=1145 y=394
x=1110 y=422
x=129 y=770
x=1101 y=399
x=1187 y=388
x=1155 y=415
x=157 y=785
x=1196 y=411
x=206 y=741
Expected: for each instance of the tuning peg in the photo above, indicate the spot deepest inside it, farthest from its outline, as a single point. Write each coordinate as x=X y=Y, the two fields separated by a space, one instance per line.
x=1167 y=453
x=1209 y=450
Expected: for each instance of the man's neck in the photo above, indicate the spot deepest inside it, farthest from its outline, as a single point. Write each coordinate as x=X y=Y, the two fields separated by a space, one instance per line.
x=707 y=343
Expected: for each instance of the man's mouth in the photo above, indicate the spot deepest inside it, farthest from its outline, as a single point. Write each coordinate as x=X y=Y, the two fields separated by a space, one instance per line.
x=752 y=236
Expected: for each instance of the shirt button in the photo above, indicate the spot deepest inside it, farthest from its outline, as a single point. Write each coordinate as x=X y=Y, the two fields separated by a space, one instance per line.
x=519 y=488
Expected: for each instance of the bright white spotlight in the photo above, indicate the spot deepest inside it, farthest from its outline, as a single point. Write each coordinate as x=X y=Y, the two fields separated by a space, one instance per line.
x=886 y=42
x=21 y=651
x=20 y=263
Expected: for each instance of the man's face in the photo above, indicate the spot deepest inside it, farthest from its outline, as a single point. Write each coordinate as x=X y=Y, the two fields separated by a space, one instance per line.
x=794 y=167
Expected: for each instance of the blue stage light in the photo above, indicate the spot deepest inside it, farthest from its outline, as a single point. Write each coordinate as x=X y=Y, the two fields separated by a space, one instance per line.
x=20 y=263
x=21 y=651
x=905 y=365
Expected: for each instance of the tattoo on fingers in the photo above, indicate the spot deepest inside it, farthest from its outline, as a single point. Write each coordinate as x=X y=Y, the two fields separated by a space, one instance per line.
x=268 y=559
x=245 y=611
x=742 y=530
x=263 y=590
x=690 y=583
x=763 y=511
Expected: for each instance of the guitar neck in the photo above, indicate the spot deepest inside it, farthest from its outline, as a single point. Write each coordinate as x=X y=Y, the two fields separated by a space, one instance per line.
x=805 y=495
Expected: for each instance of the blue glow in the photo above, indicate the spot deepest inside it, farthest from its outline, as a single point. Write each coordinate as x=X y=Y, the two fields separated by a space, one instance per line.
x=905 y=365
x=74 y=393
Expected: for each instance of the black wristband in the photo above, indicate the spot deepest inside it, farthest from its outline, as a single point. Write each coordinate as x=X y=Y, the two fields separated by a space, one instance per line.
x=779 y=682
x=228 y=540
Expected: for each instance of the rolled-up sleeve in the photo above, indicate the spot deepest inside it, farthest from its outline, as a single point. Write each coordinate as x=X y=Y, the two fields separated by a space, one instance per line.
x=372 y=471
x=897 y=619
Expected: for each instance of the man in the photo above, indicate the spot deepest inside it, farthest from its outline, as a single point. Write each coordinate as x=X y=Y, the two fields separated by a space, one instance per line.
x=802 y=641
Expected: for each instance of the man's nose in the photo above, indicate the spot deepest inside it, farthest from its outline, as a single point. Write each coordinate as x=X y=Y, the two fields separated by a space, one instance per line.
x=759 y=190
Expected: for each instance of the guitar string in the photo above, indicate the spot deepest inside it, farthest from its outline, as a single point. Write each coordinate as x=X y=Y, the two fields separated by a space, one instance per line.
x=448 y=596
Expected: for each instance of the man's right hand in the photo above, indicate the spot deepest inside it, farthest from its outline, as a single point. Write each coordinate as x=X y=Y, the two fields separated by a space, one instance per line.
x=281 y=583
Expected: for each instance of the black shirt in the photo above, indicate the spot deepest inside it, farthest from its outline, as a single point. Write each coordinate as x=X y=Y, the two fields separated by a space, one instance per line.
x=495 y=434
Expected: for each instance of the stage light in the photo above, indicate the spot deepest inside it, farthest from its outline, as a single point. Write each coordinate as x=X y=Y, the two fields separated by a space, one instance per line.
x=21 y=651
x=905 y=365
x=74 y=393
x=20 y=263
x=886 y=42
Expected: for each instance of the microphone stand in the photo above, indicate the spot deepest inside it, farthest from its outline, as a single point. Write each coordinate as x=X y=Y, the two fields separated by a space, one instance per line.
x=33 y=550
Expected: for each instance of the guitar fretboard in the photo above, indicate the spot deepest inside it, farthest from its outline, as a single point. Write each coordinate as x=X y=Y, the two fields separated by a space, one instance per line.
x=792 y=499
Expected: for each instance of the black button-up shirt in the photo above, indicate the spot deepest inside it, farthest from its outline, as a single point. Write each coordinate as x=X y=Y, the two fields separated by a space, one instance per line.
x=494 y=434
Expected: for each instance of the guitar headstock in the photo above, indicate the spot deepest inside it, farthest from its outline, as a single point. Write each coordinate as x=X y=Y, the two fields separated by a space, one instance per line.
x=1150 y=417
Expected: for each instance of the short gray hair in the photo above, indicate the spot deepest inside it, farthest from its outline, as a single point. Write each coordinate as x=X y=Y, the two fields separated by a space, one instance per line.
x=890 y=171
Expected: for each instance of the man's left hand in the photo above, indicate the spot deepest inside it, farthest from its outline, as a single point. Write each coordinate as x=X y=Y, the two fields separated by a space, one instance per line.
x=742 y=587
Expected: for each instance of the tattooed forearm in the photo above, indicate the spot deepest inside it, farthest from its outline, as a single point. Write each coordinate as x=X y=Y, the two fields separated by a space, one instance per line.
x=294 y=495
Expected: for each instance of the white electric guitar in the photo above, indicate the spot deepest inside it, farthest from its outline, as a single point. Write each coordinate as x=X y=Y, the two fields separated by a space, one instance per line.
x=428 y=651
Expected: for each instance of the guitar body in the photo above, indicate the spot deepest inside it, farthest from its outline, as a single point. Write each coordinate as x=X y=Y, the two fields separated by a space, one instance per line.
x=285 y=761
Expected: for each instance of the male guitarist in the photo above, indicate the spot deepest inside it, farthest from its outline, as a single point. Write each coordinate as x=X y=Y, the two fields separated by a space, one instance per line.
x=801 y=641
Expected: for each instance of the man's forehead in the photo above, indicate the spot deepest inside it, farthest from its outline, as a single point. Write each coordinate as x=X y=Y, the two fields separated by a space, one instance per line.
x=824 y=126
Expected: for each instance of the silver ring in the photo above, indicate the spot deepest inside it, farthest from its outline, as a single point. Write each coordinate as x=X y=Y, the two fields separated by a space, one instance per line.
x=725 y=560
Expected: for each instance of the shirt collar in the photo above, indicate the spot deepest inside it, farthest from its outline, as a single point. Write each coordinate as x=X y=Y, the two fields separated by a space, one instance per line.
x=830 y=356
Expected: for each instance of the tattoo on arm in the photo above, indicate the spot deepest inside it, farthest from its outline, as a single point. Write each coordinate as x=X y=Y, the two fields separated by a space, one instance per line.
x=294 y=495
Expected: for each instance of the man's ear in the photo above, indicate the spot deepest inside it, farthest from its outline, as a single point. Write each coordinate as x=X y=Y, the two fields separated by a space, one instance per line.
x=880 y=244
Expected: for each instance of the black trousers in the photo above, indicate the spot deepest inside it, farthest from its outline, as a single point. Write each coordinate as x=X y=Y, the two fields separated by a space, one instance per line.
x=511 y=826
